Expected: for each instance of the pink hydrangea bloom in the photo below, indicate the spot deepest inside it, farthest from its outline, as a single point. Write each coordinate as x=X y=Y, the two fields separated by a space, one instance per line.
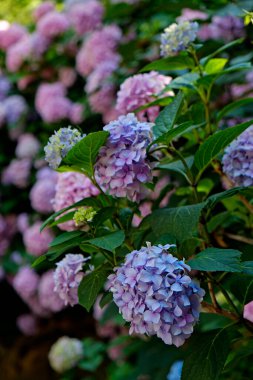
x=28 y=146
x=29 y=47
x=10 y=35
x=67 y=76
x=42 y=9
x=68 y=276
x=102 y=100
x=248 y=311
x=87 y=16
x=99 y=76
x=46 y=173
x=26 y=283
x=27 y=324
x=145 y=209
x=189 y=14
x=51 y=102
x=22 y=222
x=71 y=188
x=99 y=47
x=76 y=113
x=139 y=90
x=226 y=28
x=42 y=195
x=36 y=242
x=17 y=173
x=53 y=24
x=7 y=230
x=48 y=91
x=48 y=298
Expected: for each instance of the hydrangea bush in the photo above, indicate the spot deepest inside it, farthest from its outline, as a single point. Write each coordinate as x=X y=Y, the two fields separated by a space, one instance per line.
x=127 y=187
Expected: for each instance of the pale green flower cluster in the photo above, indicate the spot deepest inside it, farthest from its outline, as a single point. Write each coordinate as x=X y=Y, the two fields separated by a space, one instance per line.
x=65 y=354
x=84 y=215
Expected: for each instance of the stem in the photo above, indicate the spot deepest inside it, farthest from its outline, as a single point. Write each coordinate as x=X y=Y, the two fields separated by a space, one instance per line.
x=208 y=308
x=243 y=239
x=212 y=295
x=246 y=203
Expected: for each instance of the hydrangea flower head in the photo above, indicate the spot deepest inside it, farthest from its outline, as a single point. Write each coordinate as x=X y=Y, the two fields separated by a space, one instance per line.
x=60 y=144
x=26 y=283
x=36 y=242
x=52 y=24
x=65 y=354
x=155 y=294
x=71 y=187
x=122 y=165
x=87 y=16
x=139 y=90
x=84 y=215
x=248 y=311
x=48 y=298
x=237 y=160
x=178 y=37
x=28 y=146
x=68 y=276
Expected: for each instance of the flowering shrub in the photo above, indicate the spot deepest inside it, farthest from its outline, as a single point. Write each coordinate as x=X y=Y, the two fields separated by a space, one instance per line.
x=145 y=211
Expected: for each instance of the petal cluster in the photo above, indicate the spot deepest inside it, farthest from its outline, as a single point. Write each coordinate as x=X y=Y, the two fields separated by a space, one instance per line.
x=140 y=90
x=65 y=353
x=122 y=165
x=71 y=187
x=68 y=276
x=155 y=294
x=237 y=160
x=178 y=37
x=60 y=144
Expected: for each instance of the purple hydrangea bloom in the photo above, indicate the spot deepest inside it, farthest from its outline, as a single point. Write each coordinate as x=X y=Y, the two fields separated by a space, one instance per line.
x=68 y=276
x=60 y=144
x=237 y=160
x=42 y=194
x=28 y=146
x=226 y=28
x=15 y=109
x=122 y=165
x=155 y=294
x=5 y=86
x=178 y=37
x=17 y=173
x=52 y=24
x=27 y=324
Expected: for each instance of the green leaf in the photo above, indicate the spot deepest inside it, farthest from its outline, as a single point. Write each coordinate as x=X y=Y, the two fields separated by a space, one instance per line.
x=184 y=81
x=90 y=286
x=204 y=60
x=206 y=356
x=216 y=143
x=180 y=222
x=167 y=118
x=217 y=260
x=39 y=261
x=109 y=242
x=170 y=63
x=247 y=267
x=66 y=236
x=92 y=201
x=176 y=166
x=84 y=153
x=215 y=65
x=175 y=132
x=215 y=198
x=234 y=105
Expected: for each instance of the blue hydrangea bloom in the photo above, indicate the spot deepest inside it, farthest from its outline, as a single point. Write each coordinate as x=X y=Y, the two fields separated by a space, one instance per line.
x=238 y=159
x=60 y=144
x=175 y=370
x=155 y=294
x=178 y=37
x=122 y=165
